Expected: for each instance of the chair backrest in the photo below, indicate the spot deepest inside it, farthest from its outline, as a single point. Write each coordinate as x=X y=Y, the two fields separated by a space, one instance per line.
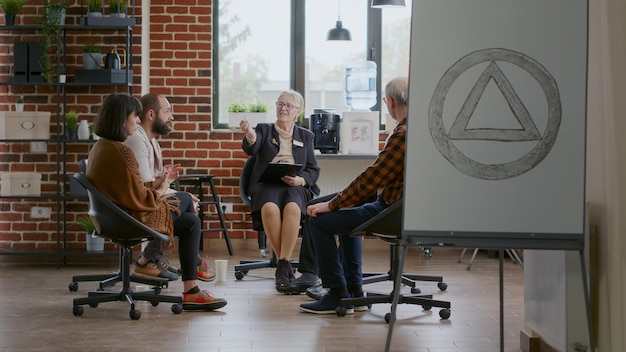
x=112 y=222
x=82 y=164
x=387 y=223
x=244 y=180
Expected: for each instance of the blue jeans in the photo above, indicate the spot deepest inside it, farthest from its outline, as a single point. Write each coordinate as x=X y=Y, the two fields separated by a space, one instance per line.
x=335 y=272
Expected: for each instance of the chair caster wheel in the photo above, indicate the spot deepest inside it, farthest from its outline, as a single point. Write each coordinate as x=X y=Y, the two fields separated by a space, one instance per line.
x=341 y=311
x=177 y=308
x=387 y=318
x=239 y=275
x=424 y=307
x=93 y=305
x=77 y=311
x=416 y=290
x=444 y=313
x=135 y=314
x=73 y=286
x=442 y=286
x=155 y=303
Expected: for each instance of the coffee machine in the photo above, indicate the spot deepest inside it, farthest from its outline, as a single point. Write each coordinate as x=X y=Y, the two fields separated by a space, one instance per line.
x=325 y=127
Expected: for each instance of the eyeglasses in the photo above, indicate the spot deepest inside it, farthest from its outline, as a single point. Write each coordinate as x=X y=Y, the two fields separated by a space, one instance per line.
x=287 y=106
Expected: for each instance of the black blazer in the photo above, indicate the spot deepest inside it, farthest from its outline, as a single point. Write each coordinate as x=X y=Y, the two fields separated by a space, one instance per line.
x=267 y=146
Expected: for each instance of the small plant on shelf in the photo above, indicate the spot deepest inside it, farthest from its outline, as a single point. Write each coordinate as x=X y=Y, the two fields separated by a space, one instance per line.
x=12 y=7
x=236 y=107
x=71 y=124
x=118 y=6
x=19 y=104
x=52 y=21
x=86 y=223
x=95 y=7
x=90 y=48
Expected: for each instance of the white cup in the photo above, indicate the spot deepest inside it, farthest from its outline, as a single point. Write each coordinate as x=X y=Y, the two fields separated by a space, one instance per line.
x=221 y=266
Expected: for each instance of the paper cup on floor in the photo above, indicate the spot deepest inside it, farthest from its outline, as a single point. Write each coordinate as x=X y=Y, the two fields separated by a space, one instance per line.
x=221 y=266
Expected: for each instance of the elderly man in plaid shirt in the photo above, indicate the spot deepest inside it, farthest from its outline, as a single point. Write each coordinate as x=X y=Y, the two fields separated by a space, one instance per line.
x=376 y=188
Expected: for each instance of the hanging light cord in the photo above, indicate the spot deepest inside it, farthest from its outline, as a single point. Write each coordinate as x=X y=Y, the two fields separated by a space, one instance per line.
x=338 y=10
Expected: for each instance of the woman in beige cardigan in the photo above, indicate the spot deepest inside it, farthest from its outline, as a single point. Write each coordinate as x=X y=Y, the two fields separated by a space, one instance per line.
x=114 y=170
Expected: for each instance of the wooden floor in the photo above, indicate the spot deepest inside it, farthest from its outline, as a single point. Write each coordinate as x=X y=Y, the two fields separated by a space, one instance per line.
x=36 y=311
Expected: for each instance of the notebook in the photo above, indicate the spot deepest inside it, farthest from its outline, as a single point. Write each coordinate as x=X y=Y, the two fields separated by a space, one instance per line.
x=275 y=171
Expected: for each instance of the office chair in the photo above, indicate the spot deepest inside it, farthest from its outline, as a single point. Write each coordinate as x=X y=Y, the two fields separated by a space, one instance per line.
x=387 y=226
x=110 y=279
x=116 y=225
x=244 y=192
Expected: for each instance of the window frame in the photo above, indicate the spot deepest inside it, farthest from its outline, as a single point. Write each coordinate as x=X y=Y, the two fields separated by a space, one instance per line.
x=297 y=53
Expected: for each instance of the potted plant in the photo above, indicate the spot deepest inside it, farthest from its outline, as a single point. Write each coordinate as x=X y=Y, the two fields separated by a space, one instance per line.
x=71 y=124
x=19 y=104
x=94 y=8
x=52 y=21
x=118 y=8
x=94 y=242
x=254 y=112
x=91 y=57
x=10 y=9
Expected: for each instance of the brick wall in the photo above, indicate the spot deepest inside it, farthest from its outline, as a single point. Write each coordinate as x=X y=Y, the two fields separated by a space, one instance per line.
x=180 y=68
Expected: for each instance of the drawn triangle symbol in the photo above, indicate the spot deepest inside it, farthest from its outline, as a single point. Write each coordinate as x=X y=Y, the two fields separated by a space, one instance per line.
x=459 y=130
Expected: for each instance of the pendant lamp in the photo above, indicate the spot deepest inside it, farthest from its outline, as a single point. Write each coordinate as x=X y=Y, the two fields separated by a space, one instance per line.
x=388 y=3
x=339 y=33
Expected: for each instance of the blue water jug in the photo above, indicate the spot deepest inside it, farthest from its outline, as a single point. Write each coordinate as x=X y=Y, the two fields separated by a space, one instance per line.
x=360 y=85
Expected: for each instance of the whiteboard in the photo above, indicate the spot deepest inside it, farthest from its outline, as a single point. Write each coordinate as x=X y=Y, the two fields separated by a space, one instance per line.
x=497 y=121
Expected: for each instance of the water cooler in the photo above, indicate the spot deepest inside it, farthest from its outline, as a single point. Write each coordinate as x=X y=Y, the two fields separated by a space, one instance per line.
x=325 y=127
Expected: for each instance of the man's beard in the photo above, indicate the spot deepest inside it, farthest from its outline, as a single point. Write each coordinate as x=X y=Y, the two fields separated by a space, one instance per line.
x=161 y=129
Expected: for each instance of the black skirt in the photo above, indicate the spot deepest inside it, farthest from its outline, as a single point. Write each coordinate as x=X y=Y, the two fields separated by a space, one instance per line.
x=279 y=194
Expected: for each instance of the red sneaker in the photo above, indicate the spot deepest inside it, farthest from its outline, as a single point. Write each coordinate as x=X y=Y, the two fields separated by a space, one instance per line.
x=202 y=300
x=204 y=272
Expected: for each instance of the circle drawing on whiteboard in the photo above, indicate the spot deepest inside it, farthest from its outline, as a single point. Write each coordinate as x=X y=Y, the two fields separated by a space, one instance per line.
x=528 y=131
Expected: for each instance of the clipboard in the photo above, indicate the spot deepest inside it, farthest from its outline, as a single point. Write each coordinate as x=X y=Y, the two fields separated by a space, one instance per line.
x=275 y=171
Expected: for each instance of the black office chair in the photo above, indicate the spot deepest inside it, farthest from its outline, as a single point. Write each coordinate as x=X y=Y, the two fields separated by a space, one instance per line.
x=244 y=192
x=115 y=224
x=387 y=226
x=106 y=280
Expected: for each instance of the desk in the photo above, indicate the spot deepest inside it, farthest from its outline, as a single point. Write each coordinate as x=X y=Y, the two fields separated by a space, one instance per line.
x=197 y=181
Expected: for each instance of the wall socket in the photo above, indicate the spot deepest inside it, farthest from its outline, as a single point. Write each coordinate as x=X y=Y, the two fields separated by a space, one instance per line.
x=38 y=147
x=227 y=207
x=40 y=212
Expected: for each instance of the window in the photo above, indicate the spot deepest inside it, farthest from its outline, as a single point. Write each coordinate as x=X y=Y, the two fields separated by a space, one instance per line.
x=265 y=47
x=253 y=54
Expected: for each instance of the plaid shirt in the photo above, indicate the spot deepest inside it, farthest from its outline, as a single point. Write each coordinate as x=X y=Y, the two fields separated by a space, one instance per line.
x=384 y=178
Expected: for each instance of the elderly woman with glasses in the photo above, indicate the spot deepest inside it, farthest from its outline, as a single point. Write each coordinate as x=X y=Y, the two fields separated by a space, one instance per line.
x=279 y=205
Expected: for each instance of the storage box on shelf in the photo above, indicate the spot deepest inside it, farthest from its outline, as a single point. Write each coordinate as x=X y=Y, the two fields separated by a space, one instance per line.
x=24 y=125
x=20 y=184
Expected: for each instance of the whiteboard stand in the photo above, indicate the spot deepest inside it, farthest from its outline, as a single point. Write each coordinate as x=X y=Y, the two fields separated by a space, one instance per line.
x=396 y=297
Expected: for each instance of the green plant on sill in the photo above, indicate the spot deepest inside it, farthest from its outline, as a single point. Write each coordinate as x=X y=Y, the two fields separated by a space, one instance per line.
x=236 y=107
x=118 y=6
x=90 y=48
x=95 y=6
x=254 y=107
x=257 y=107
x=86 y=223
x=12 y=7
x=19 y=100
x=71 y=119
x=50 y=38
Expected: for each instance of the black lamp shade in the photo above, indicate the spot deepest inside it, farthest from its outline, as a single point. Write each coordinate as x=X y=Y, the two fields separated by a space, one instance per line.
x=388 y=3
x=339 y=33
